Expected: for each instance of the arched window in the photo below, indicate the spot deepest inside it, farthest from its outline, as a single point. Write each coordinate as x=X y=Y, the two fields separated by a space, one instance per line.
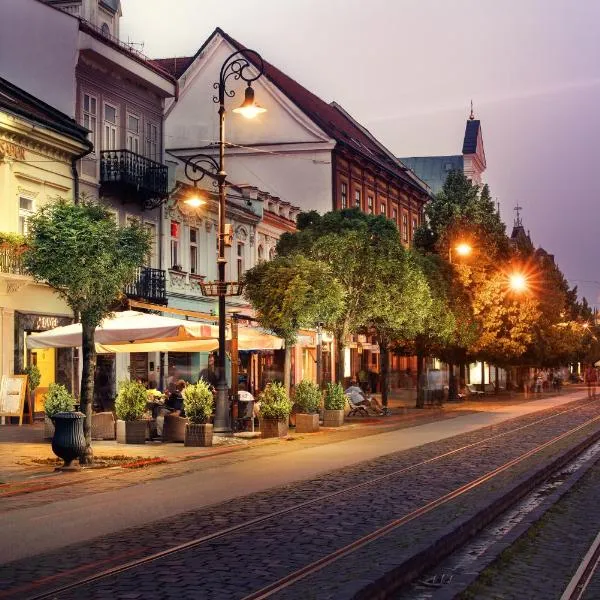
x=105 y=29
x=261 y=252
x=271 y=253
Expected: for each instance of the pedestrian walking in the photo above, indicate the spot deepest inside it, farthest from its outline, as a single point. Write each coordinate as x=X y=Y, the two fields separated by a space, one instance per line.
x=591 y=379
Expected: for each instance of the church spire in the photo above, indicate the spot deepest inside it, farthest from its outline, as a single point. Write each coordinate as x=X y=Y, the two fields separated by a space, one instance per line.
x=472 y=115
x=518 y=220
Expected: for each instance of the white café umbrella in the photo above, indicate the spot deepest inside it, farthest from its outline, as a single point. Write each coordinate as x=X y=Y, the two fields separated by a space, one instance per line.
x=127 y=328
x=249 y=338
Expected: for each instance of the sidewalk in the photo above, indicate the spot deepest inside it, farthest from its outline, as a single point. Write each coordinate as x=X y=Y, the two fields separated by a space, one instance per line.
x=98 y=502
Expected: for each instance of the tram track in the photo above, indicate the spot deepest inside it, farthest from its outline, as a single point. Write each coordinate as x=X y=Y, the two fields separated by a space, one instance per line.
x=346 y=550
x=583 y=576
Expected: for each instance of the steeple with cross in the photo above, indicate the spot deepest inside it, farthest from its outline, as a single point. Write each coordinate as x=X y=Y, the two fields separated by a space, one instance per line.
x=518 y=220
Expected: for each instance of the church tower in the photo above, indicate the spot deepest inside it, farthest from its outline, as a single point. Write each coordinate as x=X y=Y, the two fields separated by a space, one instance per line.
x=473 y=153
x=103 y=14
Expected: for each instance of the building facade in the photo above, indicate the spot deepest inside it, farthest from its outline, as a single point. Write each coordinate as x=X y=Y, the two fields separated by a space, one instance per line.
x=38 y=146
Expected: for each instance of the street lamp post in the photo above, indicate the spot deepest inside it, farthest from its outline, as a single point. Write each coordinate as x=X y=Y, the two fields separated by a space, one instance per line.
x=246 y=65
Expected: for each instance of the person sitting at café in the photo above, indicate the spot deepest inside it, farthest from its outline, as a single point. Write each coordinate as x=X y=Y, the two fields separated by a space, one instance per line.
x=357 y=397
x=173 y=406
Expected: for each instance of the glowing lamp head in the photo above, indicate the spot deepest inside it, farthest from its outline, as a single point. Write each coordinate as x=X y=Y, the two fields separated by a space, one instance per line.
x=463 y=249
x=249 y=108
x=517 y=282
x=194 y=202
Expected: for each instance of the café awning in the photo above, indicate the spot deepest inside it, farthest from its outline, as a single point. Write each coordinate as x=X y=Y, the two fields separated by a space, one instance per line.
x=126 y=328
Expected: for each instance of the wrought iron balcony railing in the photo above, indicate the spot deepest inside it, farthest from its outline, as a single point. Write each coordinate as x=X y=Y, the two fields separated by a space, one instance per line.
x=149 y=285
x=11 y=261
x=133 y=173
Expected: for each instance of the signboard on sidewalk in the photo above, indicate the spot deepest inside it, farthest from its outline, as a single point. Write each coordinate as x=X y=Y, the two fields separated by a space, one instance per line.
x=12 y=396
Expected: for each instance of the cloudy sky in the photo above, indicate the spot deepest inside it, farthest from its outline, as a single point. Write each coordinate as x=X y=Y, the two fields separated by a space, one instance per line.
x=407 y=69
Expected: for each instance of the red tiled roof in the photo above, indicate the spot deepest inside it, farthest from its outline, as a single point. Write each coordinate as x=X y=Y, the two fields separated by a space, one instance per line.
x=328 y=117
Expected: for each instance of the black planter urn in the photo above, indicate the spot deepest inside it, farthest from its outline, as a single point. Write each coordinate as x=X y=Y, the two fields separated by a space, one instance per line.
x=68 y=442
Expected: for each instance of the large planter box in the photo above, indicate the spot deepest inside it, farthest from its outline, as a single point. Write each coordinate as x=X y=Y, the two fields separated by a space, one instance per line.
x=333 y=418
x=307 y=423
x=198 y=434
x=131 y=432
x=272 y=428
x=48 y=428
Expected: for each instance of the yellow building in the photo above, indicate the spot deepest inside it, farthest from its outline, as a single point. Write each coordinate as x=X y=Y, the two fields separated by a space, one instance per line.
x=39 y=147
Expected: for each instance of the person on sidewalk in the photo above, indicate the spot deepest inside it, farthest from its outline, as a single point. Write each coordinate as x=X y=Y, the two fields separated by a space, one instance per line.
x=357 y=397
x=173 y=406
x=591 y=379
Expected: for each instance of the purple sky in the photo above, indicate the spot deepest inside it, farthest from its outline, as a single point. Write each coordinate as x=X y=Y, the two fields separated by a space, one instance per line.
x=407 y=70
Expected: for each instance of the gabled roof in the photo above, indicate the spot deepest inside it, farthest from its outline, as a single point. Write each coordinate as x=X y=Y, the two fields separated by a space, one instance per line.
x=471 y=134
x=335 y=122
x=17 y=101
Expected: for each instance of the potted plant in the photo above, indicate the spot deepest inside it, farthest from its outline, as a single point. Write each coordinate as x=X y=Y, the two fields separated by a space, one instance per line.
x=308 y=401
x=275 y=409
x=335 y=402
x=130 y=406
x=57 y=400
x=198 y=404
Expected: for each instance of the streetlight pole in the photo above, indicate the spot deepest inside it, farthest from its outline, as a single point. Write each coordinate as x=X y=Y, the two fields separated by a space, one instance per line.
x=246 y=65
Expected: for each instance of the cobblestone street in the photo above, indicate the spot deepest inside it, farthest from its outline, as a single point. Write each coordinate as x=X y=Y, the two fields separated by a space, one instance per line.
x=272 y=549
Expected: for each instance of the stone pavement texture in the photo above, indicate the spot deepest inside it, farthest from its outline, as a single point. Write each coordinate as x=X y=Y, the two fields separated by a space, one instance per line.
x=541 y=564
x=101 y=504
x=272 y=549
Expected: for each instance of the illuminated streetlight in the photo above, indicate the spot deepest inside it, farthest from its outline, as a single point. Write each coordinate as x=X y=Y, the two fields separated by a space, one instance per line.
x=462 y=249
x=517 y=282
x=194 y=201
x=249 y=108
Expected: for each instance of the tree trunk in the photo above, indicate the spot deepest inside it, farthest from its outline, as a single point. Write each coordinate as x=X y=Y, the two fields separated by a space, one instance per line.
x=482 y=376
x=452 y=383
x=86 y=397
x=496 y=383
x=463 y=375
x=420 y=391
x=385 y=371
x=339 y=362
x=287 y=368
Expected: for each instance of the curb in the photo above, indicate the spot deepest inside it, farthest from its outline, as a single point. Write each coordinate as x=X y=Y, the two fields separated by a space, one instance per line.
x=454 y=536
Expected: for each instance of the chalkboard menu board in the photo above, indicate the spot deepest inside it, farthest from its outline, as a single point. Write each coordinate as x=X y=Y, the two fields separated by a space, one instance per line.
x=12 y=396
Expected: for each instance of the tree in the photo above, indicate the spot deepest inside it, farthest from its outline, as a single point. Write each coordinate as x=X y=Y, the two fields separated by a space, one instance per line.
x=290 y=293
x=350 y=243
x=81 y=252
x=400 y=302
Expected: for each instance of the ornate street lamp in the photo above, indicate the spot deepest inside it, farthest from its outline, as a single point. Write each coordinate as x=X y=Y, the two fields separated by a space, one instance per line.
x=246 y=65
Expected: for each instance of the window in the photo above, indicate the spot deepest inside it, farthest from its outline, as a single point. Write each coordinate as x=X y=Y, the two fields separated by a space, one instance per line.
x=152 y=141
x=240 y=260
x=271 y=253
x=261 y=252
x=405 y=227
x=151 y=258
x=175 y=244
x=382 y=209
x=105 y=29
x=26 y=209
x=193 y=250
x=414 y=227
x=344 y=195
x=395 y=215
x=370 y=205
x=110 y=127
x=133 y=133
x=89 y=115
x=357 y=198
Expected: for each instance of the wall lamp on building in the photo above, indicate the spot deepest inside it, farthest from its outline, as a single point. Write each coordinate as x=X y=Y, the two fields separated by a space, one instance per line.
x=248 y=66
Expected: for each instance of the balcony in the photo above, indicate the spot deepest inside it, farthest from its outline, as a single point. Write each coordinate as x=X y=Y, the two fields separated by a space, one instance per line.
x=149 y=285
x=13 y=276
x=129 y=175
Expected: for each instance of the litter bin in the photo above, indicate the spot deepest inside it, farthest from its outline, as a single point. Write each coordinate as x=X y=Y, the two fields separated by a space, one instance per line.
x=245 y=408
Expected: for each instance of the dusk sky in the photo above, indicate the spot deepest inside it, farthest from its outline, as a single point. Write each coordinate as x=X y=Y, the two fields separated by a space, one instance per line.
x=407 y=70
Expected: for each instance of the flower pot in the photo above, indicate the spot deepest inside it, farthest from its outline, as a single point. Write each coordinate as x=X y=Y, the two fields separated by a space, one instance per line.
x=198 y=434
x=48 y=428
x=131 y=432
x=307 y=423
x=68 y=442
x=333 y=418
x=272 y=428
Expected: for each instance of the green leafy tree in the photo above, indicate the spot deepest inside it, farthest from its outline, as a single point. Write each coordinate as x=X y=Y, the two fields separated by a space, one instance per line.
x=351 y=243
x=292 y=292
x=80 y=252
